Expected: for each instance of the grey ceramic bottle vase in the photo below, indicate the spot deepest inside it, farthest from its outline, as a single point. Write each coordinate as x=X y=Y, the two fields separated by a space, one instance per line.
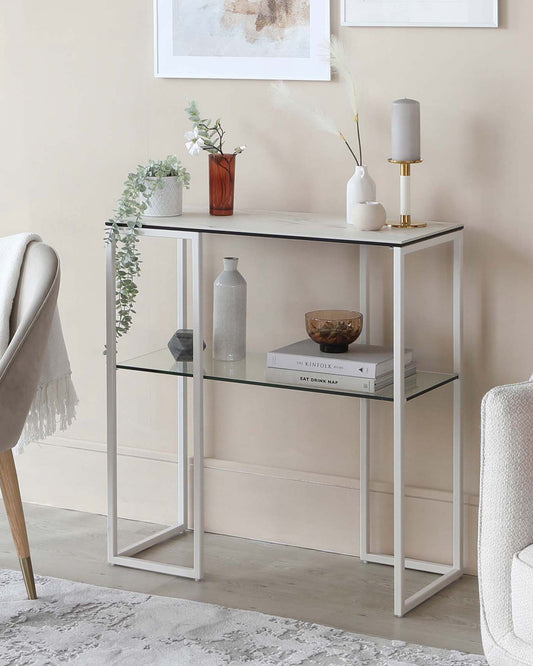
x=229 y=313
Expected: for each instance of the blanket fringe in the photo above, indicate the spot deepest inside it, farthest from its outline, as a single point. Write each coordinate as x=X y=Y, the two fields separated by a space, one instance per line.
x=53 y=407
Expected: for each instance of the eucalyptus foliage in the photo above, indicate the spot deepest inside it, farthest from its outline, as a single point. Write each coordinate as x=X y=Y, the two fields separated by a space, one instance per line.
x=139 y=188
x=206 y=135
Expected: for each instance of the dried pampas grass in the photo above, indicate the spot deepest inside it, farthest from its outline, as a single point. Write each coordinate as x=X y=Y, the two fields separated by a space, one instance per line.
x=285 y=98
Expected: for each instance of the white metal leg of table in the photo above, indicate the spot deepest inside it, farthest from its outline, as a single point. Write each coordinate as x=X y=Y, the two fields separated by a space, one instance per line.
x=448 y=573
x=126 y=556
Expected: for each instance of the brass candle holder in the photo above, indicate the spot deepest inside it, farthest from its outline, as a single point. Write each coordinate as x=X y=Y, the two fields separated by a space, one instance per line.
x=405 y=196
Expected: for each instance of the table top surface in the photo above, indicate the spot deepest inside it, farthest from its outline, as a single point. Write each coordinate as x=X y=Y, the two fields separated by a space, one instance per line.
x=303 y=226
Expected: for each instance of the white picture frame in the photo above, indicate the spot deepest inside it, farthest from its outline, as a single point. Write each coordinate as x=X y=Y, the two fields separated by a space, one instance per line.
x=313 y=68
x=420 y=13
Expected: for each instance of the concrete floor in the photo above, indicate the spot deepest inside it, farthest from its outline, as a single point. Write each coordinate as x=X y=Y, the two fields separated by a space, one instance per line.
x=314 y=586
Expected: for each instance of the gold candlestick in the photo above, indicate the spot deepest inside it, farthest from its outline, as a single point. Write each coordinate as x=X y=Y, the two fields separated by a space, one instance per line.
x=405 y=196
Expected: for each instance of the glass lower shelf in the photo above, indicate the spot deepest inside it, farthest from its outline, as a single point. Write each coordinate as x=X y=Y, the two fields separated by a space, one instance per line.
x=252 y=370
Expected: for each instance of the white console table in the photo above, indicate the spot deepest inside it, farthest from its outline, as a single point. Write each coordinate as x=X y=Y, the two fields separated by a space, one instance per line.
x=297 y=226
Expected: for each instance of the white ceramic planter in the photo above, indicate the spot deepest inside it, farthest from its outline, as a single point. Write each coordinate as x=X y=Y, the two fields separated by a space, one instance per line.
x=360 y=188
x=368 y=216
x=229 y=313
x=168 y=200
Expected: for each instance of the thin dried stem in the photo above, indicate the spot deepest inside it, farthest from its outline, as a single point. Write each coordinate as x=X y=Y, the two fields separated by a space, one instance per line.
x=349 y=148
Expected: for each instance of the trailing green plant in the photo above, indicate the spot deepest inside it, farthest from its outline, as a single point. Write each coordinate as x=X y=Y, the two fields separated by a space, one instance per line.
x=124 y=226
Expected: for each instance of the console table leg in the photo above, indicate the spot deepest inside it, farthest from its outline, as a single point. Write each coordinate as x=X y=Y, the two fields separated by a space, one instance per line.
x=399 y=431
x=364 y=424
x=364 y=463
x=198 y=407
x=111 y=370
x=183 y=486
x=457 y=428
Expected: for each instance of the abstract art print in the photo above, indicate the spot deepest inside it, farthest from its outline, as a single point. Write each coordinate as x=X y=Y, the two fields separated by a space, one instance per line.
x=420 y=13
x=242 y=39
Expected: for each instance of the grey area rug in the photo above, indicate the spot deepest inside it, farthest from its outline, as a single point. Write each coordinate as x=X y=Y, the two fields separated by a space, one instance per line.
x=84 y=624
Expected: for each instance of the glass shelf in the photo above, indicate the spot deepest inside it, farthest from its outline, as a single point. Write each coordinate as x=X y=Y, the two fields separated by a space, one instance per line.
x=252 y=369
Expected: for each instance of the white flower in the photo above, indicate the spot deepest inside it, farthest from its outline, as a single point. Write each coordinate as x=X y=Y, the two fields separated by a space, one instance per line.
x=193 y=142
x=239 y=149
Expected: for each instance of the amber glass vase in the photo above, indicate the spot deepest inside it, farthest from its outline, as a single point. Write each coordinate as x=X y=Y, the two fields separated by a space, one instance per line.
x=221 y=183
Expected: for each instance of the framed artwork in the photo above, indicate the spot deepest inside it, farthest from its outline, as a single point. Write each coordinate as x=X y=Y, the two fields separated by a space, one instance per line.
x=242 y=39
x=420 y=13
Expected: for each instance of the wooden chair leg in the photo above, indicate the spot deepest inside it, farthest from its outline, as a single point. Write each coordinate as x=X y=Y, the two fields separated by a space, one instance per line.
x=11 y=493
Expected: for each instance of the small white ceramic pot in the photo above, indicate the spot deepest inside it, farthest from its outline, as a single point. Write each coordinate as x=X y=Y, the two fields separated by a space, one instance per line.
x=166 y=201
x=368 y=216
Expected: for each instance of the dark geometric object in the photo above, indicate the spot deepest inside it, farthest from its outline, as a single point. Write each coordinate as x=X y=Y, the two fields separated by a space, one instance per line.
x=181 y=345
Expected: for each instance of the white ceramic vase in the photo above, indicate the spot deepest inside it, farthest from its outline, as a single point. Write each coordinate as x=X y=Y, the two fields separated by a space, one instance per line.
x=368 y=216
x=229 y=313
x=360 y=188
x=166 y=201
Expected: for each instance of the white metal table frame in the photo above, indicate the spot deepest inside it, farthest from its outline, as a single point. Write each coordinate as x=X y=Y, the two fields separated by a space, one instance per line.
x=402 y=604
x=126 y=556
x=448 y=573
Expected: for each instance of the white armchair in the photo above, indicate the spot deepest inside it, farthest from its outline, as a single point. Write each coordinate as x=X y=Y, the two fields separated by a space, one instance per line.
x=506 y=525
x=20 y=367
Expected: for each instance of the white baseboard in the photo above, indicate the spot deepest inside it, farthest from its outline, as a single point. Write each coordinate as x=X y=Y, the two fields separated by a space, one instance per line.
x=269 y=504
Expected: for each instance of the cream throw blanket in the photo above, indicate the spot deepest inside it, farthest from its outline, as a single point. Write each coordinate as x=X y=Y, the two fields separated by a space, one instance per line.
x=55 y=400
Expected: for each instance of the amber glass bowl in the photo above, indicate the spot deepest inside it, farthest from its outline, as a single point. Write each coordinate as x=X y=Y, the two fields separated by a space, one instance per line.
x=334 y=330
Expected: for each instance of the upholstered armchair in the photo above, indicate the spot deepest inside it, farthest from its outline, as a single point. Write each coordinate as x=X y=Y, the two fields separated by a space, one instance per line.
x=20 y=368
x=506 y=525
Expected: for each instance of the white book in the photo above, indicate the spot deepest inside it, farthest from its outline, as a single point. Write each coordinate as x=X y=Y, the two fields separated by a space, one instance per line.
x=327 y=381
x=369 y=361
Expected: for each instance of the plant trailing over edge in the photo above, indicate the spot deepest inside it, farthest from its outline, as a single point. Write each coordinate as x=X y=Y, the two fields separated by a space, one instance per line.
x=139 y=188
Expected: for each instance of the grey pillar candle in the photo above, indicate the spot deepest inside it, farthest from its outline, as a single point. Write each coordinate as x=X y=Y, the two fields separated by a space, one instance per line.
x=405 y=130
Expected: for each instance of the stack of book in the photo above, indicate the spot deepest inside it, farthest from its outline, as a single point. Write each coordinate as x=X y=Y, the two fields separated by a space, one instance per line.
x=361 y=368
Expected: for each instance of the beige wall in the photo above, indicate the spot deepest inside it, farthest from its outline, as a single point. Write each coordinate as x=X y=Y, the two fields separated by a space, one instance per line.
x=80 y=107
